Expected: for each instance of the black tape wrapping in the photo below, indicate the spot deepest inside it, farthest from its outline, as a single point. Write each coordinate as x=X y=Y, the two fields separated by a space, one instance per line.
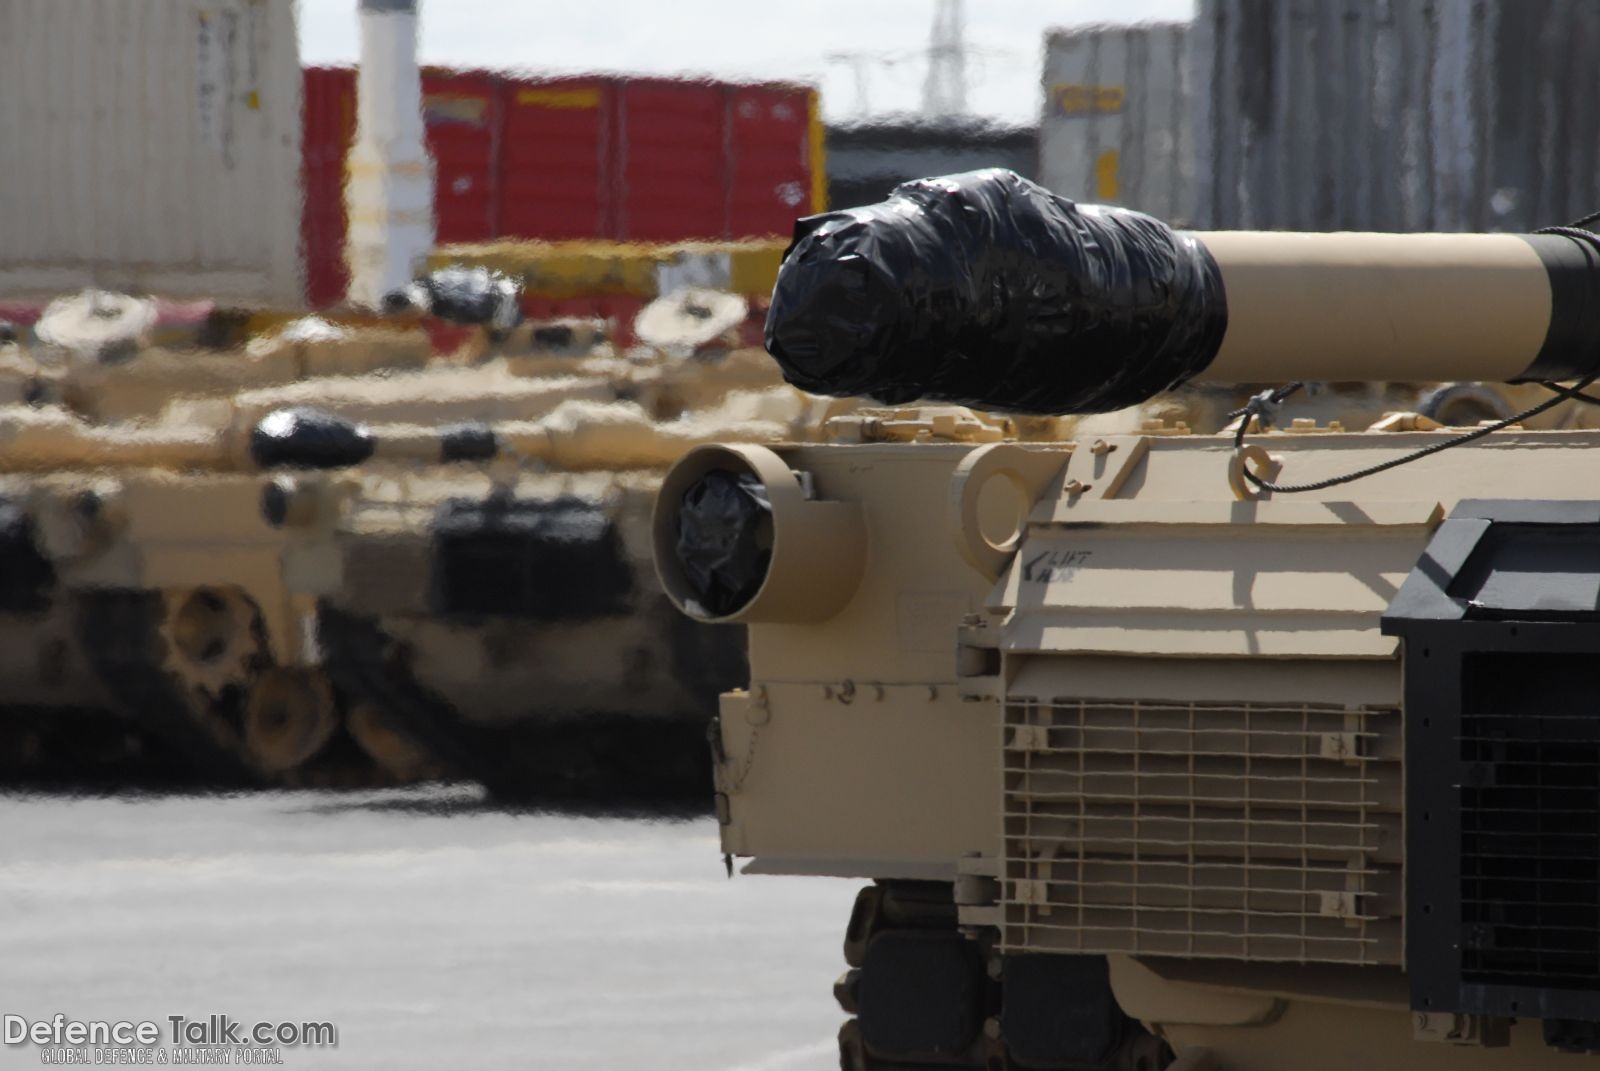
x=986 y=289
x=304 y=437
x=725 y=539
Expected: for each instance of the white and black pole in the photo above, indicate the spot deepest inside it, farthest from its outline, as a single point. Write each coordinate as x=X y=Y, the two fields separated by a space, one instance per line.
x=390 y=179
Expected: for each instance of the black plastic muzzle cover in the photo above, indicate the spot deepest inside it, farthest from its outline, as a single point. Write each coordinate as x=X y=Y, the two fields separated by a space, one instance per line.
x=988 y=290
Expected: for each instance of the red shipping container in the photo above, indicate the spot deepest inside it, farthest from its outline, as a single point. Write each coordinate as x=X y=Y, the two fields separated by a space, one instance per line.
x=774 y=141
x=555 y=158
x=461 y=112
x=646 y=159
x=329 y=126
x=673 y=170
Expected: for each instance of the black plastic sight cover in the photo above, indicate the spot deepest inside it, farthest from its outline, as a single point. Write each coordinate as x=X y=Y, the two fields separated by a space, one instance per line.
x=307 y=438
x=988 y=290
x=473 y=296
x=724 y=539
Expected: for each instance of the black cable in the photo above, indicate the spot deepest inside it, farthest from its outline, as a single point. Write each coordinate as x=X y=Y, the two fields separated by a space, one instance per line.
x=1578 y=224
x=1566 y=394
x=1577 y=234
x=1262 y=404
x=1586 y=399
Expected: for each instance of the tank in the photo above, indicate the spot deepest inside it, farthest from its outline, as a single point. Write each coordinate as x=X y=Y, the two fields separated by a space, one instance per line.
x=424 y=466
x=168 y=637
x=1240 y=751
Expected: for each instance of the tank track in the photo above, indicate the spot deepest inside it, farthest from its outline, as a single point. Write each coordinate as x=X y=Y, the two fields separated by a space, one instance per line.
x=926 y=995
x=77 y=748
x=596 y=759
x=121 y=633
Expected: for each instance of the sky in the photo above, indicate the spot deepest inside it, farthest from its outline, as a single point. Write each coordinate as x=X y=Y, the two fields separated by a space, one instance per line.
x=805 y=40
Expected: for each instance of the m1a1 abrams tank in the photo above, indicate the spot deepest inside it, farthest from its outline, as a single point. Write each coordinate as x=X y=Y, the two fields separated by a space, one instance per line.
x=1248 y=751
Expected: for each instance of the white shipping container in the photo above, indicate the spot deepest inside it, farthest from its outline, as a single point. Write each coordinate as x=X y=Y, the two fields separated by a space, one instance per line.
x=151 y=146
x=1116 y=126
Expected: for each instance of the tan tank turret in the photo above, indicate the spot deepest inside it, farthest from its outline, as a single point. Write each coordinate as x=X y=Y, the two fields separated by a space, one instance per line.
x=1263 y=750
x=139 y=384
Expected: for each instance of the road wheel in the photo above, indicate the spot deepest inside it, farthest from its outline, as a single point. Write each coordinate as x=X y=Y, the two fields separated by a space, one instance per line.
x=289 y=716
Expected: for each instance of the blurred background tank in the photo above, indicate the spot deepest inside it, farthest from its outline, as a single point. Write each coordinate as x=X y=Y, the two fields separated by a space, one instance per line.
x=184 y=184
x=148 y=621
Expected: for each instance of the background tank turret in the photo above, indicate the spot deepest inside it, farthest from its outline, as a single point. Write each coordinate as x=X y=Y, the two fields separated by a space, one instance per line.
x=1267 y=749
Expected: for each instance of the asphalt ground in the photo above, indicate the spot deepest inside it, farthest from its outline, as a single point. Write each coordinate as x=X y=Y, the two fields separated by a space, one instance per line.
x=431 y=928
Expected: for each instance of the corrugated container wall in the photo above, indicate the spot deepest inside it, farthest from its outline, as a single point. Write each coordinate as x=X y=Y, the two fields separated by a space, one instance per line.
x=151 y=146
x=1116 y=127
x=623 y=159
x=1396 y=115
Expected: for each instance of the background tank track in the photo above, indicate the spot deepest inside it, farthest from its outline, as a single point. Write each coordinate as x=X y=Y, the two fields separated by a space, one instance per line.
x=120 y=630
x=578 y=757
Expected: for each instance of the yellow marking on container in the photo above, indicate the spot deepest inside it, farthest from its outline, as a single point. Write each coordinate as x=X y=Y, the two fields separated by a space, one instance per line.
x=1073 y=99
x=414 y=168
x=456 y=108
x=586 y=97
x=1106 y=168
x=818 y=154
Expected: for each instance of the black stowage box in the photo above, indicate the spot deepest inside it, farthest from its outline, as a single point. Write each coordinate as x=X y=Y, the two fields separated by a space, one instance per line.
x=558 y=559
x=1501 y=621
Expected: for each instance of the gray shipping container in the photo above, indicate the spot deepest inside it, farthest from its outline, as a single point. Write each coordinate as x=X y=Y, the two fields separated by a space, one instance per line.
x=1398 y=115
x=151 y=145
x=1116 y=127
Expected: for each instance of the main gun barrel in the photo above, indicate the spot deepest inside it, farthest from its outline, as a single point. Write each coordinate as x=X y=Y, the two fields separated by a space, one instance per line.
x=1496 y=307
x=988 y=290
